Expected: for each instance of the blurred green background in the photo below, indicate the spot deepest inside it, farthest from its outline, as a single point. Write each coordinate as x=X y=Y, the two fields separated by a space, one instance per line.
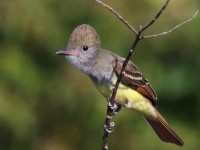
x=45 y=104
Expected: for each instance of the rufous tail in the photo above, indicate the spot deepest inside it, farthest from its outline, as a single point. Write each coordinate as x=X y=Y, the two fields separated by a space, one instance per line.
x=163 y=130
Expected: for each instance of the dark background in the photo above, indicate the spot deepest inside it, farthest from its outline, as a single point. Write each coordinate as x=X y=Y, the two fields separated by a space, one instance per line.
x=45 y=104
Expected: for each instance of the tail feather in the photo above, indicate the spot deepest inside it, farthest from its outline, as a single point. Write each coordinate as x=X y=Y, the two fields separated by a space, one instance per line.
x=164 y=131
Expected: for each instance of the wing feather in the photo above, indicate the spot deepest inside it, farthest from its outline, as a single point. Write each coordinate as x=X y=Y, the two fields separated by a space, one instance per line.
x=134 y=79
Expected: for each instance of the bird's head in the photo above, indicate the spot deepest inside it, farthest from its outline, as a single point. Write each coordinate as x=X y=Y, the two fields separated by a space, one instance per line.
x=83 y=47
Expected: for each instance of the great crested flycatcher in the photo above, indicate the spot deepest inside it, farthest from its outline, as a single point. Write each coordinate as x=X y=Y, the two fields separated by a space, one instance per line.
x=103 y=67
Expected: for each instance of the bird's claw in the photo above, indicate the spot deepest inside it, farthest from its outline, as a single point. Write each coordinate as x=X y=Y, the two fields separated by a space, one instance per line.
x=114 y=107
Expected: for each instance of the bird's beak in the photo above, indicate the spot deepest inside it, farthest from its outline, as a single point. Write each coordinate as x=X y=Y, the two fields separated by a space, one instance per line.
x=67 y=52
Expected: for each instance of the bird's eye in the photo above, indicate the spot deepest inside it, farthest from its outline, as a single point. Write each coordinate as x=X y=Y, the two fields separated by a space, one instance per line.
x=85 y=48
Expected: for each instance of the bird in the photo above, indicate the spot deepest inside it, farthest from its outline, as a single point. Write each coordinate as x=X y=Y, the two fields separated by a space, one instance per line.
x=103 y=67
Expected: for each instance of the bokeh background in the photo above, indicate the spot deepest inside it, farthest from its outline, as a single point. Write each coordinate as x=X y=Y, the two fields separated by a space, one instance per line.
x=45 y=104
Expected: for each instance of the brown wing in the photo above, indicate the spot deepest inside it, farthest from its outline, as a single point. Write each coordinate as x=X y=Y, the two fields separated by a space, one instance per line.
x=134 y=79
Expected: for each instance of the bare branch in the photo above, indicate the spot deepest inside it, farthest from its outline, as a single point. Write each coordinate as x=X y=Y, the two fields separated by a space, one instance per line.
x=112 y=100
x=172 y=29
x=112 y=107
x=117 y=14
x=156 y=17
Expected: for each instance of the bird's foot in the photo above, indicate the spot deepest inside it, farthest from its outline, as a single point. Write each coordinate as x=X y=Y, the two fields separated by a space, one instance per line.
x=114 y=107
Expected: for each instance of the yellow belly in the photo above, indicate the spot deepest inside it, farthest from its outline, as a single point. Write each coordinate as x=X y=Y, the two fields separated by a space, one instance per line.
x=131 y=99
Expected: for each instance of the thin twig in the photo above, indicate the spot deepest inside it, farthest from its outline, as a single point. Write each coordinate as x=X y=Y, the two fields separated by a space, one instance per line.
x=172 y=29
x=111 y=100
x=117 y=14
x=156 y=16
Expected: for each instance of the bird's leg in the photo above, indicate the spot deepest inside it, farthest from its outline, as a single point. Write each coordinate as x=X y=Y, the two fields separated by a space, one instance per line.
x=118 y=109
x=119 y=103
